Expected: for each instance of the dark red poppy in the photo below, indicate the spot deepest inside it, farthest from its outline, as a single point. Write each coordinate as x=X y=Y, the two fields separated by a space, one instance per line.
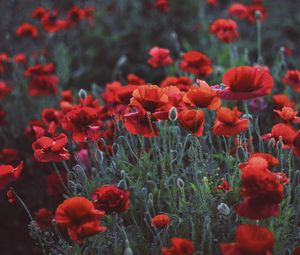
x=296 y=251
x=51 y=23
x=225 y=30
x=133 y=79
x=4 y=89
x=180 y=246
x=43 y=218
x=162 y=5
x=202 y=96
x=20 y=58
x=2 y=116
x=262 y=192
x=296 y=144
x=9 y=156
x=253 y=8
x=224 y=186
x=160 y=221
x=281 y=100
x=229 y=122
x=10 y=196
x=79 y=217
x=54 y=185
x=39 y=12
x=4 y=58
x=67 y=96
x=250 y=240
x=89 y=13
x=111 y=199
x=109 y=95
x=83 y=123
x=183 y=82
x=245 y=82
x=192 y=121
x=212 y=3
x=124 y=94
x=53 y=149
x=74 y=15
x=260 y=160
x=39 y=69
x=27 y=29
x=43 y=85
x=292 y=78
x=9 y=174
x=159 y=57
x=197 y=63
x=240 y=11
x=288 y=115
x=285 y=131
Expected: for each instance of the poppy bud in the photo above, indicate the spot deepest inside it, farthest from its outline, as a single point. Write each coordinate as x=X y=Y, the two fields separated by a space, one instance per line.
x=82 y=94
x=122 y=184
x=160 y=221
x=280 y=143
x=271 y=143
x=258 y=15
x=128 y=250
x=115 y=148
x=223 y=209
x=180 y=183
x=144 y=192
x=173 y=115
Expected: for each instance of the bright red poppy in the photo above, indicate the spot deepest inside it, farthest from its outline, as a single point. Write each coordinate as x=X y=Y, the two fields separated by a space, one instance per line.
x=51 y=23
x=133 y=79
x=180 y=246
x=162 y=5
x=245 y=82
x=240 y=11
x=192 y=121
x=79 y=217
x=281 y=100
x=253 y=8
x=288 y=115
x=226 y=30
x=202 y=96
x=9 y=174
x=159 y=57
x=183 y=82
x=111 y=199
x=224 y=186
x=229 y=122
x=74 y=15
x=250 y=240
x=261 y=161
x=4 y=89
x=38 y=13
x=195 y=62
x=160 y=221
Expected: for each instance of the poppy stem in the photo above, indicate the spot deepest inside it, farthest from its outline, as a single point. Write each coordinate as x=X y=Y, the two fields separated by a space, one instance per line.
x=61 y=180
x=258 y=31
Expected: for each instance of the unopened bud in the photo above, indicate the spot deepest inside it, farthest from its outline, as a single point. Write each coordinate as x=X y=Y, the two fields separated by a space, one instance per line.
x=144 y=192
x=258 y=14
x=128 y=251
x=82 y=94
x=122 y=184
x=173 y=115
x=223 y=209
x=271 y=143
x=280 y=143
x=180 y=183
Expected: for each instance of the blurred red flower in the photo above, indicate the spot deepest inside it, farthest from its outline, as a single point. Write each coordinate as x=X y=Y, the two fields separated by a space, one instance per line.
x=9 y=174
x=197 y=63
x=281 y=100
x=240 y=11
x=159 y=57
x=27 y=29
x=43 y=218
x=51 y=23
x=180 y=246
x=225 y=30
x=183 y=82
x=9 y=156
x=4 y=89
x=39 y=12
x=288 y=115
x=292 y=78
x=111 y=199
x=250 y=240
x=192 y=121
x=133 y=79
x=160 y=221
x=162 y=5
x=79 y=217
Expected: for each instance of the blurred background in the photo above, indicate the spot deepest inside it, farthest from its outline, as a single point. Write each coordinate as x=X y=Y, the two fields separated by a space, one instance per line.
x=117 y=43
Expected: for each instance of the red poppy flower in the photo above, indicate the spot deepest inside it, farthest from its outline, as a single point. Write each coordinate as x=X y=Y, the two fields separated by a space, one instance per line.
x=262 y=192
x=133 y=79
x=9 y=174
x=202 y=96
x=43 y=85
x=183 y=83
x=228 y=122
x=245 y=82
x=89 y=13
x=240 y=11
x=196 y=63
x=162 y=5
x=83 y=122
x=160 y=221
x=288 y=115
x=192 y=121
x=74 y=15
x=260 y=160
x=4 y=58
x=20 y=58
x=224 y=186
x=39 y=13
x=292 y=78
x=253 y=8
x=4 y=89
x=180 y=246
x=109 y=95
x=250 y=240
x=9 y=156
x=285 y=131
x=281 y=100
x=212 y=3
x=27 y=29
x=159 y=57
x=10 y=196
x=296 y=251
x=225 y=30
x=111 y=199
x=2 y=117
x=51 y=23
x=175 y=97
x=39 y=69
x=296 y=144
x=48 y=149
x=43 y=218
x=54 y=185
x=79 y=217
x=124 y=94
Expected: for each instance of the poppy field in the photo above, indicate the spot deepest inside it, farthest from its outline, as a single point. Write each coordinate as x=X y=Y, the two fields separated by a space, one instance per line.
x=150 y=127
